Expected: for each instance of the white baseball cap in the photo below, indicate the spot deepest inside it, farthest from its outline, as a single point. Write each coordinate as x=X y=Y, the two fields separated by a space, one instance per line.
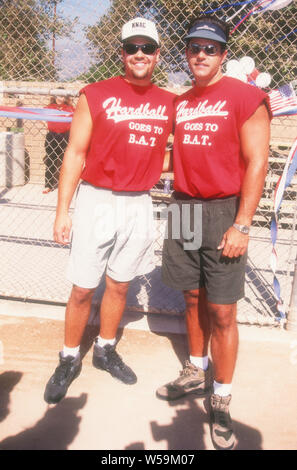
x=140 y=27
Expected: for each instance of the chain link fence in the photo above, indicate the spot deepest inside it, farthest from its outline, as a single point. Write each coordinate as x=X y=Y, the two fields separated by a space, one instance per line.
x=49 y=44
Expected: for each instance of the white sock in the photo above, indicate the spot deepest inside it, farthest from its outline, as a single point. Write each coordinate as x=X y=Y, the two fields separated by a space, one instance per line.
x=102 y=342
x=70 y=351
x=223 y=390
x=201 y=362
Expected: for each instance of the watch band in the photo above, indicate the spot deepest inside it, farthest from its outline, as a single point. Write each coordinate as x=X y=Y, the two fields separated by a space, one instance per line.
x=242 y=228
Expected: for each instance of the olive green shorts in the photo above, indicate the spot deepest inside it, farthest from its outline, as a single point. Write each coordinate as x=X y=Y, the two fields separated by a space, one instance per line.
x=203 y=264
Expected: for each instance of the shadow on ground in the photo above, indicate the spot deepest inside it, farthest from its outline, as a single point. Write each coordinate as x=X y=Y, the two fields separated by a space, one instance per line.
x=152 y=299
x=8 y=381
x=188 y=428
x=54 y=431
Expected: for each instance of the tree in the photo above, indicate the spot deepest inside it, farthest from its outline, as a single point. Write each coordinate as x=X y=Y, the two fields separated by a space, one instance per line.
x=104 y=41
x=252 y=37
x=268 y=37
x=25 y=28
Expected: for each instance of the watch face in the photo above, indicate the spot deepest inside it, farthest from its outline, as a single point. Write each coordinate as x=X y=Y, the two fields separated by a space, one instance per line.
x=242 y=228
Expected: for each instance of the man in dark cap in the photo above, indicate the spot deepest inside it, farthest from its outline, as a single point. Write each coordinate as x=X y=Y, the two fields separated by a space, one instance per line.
x=220 y=154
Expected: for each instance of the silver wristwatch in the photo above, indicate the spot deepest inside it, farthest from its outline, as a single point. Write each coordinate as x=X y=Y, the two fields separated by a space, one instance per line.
x=242 y=228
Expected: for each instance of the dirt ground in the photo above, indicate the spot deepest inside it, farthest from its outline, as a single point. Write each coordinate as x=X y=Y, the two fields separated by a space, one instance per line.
x=101 y=413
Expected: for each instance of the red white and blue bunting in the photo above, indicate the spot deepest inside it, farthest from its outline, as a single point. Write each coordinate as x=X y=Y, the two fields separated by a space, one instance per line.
x=283 y=182
x=36 y=114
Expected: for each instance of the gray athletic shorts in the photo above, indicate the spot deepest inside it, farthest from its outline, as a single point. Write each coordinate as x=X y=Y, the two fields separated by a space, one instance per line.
x=113 y=232
x=204 y=266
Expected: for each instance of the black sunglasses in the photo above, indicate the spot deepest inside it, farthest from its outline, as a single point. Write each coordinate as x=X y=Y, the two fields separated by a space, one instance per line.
x=147 y=49
x=209 y=49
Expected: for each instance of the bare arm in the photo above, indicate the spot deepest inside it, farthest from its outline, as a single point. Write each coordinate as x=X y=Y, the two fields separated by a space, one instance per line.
x=254 y=138
x=73 y=164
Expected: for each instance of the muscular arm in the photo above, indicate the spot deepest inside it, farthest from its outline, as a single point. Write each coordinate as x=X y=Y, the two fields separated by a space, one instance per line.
x=254 y=138
x=73 y=163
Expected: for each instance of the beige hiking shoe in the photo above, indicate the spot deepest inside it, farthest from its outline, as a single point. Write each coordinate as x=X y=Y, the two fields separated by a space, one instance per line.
x=191 y=380
x=221 y=423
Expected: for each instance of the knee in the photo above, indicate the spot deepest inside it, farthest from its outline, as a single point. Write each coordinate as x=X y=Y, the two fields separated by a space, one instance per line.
x=191 y=298
x=81 y=295
x=116 y=287
x=222 y=317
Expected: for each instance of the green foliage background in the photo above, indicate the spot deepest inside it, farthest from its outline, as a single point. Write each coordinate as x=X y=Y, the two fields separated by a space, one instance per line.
x=27 y=28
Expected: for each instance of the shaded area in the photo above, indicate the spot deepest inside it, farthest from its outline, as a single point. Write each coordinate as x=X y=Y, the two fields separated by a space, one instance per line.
x=179 y=342
x=27 y=166
x=187 y=428
x=8 y=381
x=2 y=193
x=54 y=431
x=261 y=290
x=146 y=293
x=90 y=333
x=248 y=438
x=150 y=292
x=190 y=428
x=30 y=216
x=136 y=446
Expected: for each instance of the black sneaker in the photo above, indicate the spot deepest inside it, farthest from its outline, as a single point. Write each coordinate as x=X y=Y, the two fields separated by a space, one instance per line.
x=107 y=358
x=221 y=423
x=57 y=386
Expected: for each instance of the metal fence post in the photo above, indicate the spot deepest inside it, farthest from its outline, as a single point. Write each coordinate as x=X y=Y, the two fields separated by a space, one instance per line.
x=292 y=314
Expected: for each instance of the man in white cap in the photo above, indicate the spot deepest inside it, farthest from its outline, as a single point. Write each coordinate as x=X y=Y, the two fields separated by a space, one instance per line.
x=117 y=145
x=221 y=146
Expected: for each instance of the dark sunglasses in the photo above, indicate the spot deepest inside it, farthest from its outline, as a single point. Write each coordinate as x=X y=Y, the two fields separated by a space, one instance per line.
x=147 y=49
x=209 y=49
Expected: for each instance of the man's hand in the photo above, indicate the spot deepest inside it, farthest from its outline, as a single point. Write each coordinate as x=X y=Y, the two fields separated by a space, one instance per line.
x=233 y=243
x=62 y=228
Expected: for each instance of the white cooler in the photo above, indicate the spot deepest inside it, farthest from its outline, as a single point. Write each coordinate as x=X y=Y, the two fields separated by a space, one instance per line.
x=12 y=159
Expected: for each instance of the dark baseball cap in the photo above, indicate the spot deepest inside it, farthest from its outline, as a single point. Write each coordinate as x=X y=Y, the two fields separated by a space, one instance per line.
x=207 y=30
